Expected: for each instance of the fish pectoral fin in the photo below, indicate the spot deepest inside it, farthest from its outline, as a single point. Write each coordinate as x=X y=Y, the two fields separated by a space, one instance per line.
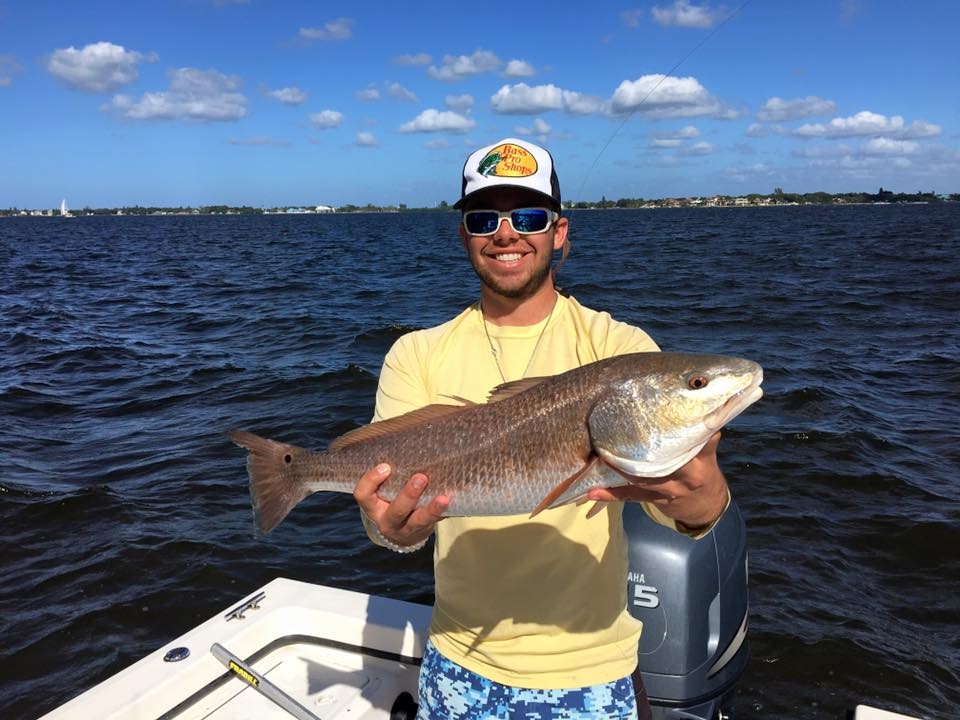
x=598 y=506
x=560 y=489
x=515 y=387
x=382 y=428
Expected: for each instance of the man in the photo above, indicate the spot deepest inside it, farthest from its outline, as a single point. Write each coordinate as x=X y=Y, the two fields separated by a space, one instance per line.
x=531 y=615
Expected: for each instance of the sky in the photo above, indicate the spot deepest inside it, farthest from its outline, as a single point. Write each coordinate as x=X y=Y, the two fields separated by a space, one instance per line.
x=112 y=103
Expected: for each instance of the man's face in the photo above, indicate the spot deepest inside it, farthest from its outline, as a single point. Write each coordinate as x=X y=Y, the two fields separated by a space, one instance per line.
x=511 y=264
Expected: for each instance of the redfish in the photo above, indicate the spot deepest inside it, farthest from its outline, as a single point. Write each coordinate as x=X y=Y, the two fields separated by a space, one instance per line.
x=536 y=443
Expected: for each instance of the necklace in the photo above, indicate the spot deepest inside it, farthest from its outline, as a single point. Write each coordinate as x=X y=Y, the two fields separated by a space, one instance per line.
x=536 y=346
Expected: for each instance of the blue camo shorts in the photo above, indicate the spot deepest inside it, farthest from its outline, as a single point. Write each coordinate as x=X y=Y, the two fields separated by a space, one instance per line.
x=449 y=691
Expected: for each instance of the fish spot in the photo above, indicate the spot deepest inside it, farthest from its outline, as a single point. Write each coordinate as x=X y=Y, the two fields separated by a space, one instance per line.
x=288 y=458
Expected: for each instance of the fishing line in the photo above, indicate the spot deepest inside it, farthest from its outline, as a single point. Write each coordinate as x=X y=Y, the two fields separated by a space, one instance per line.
x=663 y=78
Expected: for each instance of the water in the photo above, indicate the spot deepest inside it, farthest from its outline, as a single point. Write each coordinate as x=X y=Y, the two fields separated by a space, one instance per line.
x=131 y=344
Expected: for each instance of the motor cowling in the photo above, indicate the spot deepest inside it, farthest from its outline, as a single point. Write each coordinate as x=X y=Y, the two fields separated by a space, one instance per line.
x=692 y=598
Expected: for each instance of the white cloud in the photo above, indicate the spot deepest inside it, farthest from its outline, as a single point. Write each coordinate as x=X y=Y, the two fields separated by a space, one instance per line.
x=288 y=95
x=824 y=151
x=666 y=143
x=339 y=29
x=459 y=103
x=579 y=104
x=431 y=120
x=683 y=133
x=519 y=68
x=660 y=96
x=522 y=99
x=756 y=130
x=367 y=139
x=885 y=146
x=540 y=128
x=326 y=119
x=778 y=110
x=850 y=9
x=631 y=18
x=399 y=92
x=417 y=59
x=750 y=173
x=370 y=94
x=683 y=14
x=866 y=123
x=459 y=66
x=193 y=95
x=700 y=148
x=8 y=68
x=259 y=140
x=98 y=67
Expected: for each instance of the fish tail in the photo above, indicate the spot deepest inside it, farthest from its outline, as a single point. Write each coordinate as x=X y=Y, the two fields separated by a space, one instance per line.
x=275 y=483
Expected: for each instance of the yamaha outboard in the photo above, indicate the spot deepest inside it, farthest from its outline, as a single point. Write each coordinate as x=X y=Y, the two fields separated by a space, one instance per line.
x=691 y=596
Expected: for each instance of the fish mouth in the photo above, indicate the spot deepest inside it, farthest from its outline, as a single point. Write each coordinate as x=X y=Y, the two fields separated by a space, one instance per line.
x=735 y=404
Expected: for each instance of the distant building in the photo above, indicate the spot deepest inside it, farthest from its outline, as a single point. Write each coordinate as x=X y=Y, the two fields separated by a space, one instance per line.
x=324 y=209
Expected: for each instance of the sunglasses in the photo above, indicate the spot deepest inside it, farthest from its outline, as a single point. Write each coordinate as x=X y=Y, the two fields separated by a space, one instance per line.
x=525 y=221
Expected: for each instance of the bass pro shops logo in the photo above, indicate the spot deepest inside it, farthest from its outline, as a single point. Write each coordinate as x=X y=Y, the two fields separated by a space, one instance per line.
x=508 y=160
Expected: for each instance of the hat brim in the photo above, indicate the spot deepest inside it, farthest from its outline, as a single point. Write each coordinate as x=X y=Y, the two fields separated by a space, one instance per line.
x=550 y=200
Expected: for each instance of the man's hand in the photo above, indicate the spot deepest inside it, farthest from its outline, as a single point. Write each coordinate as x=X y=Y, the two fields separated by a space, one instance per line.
x=400 y=521
x=695 y=495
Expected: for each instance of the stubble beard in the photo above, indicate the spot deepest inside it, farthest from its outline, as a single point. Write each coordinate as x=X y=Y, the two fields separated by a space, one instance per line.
x=521 y=292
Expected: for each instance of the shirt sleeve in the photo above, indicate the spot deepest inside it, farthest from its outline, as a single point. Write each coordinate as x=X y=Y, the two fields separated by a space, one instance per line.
x=403 y=383
x=622 y=338
x=402 y=388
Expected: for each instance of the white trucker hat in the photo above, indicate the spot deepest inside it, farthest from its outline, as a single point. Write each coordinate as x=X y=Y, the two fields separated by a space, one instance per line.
x=511 y=163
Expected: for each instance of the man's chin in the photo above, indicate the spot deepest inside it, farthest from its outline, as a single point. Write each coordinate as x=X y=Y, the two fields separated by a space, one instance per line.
x=519 y=289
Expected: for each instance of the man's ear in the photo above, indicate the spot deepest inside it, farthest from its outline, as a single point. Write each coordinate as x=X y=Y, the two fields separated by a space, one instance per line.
x=463 y=235
x=560 y=229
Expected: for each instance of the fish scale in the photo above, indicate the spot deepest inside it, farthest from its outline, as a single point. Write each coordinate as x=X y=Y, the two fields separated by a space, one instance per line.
x=535 y=443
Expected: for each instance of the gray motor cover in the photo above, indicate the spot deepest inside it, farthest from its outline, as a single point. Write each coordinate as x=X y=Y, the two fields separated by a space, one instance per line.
x=692 y=598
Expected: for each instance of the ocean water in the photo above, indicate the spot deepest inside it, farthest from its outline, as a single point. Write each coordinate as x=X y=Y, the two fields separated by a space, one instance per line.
x=129 y=345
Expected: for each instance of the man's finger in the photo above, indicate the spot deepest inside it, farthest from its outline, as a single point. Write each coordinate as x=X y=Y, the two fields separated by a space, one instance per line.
x=405 y=502
x=365 y=491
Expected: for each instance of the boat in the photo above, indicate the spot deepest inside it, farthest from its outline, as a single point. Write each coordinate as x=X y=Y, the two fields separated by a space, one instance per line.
x=64 y=212
x=289 y=648
x=309 y=651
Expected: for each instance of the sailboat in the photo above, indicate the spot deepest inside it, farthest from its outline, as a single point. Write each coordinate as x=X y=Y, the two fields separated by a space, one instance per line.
x=64 y=212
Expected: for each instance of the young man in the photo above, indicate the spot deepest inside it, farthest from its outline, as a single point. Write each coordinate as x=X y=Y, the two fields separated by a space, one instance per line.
x=531 y=615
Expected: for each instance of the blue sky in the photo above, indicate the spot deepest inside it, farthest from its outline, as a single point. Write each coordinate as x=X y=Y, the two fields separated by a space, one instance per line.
x=267 y=102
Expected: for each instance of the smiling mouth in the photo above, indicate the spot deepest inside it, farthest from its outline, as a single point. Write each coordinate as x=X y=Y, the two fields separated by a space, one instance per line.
x=508 y=257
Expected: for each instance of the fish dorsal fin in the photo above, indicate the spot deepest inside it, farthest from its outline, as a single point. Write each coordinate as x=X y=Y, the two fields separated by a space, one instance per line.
x=462 y=400
x=564 y=486
x=421 y=416
x=514 y=387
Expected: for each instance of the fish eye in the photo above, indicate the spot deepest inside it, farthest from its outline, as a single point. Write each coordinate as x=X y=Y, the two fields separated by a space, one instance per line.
x=697 y=382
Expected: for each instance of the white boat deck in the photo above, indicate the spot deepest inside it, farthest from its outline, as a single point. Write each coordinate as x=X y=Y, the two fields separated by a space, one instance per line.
x=340 y=654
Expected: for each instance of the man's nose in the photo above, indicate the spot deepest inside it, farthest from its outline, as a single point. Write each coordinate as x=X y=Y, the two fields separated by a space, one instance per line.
x=505 y=232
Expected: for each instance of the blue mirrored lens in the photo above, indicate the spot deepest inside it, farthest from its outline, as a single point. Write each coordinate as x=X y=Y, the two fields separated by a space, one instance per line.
x=481 y=222
x=530 y=220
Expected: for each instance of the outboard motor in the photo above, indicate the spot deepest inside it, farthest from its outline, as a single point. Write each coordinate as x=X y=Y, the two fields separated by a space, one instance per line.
x=691 y=596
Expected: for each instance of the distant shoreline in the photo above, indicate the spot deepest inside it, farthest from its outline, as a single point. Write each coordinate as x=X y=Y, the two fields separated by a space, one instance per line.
x=777 y=199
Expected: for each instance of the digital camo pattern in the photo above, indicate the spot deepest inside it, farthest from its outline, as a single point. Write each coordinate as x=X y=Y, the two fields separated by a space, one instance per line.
x=448 y=690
